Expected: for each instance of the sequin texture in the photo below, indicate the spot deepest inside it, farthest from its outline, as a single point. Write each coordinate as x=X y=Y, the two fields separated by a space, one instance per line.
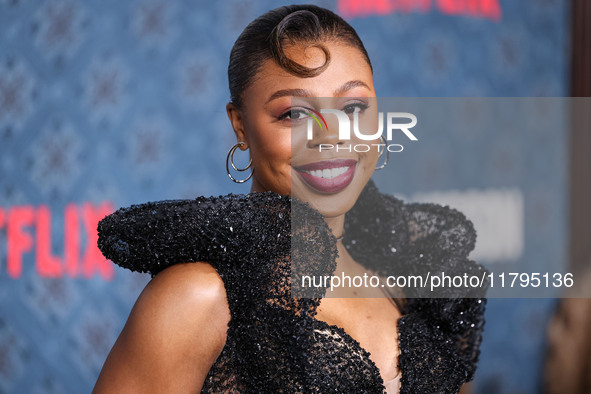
x=258 y=242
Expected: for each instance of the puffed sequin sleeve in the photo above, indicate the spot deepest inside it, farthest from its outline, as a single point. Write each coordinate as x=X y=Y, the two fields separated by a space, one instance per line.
x=439 y=338
x=258 y=242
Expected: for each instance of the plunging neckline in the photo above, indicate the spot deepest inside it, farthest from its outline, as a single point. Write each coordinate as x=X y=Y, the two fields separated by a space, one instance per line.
x=364 y=353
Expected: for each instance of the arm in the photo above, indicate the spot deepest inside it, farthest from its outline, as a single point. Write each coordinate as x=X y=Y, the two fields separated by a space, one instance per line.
x=174 y=333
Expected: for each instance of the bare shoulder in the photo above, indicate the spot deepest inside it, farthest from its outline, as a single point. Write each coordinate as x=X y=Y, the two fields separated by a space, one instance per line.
x=185 y=295
x=174 y=333
x=194 y=285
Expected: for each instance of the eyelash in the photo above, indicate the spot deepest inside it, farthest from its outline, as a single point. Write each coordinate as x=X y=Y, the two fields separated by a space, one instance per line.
x=360 y=106
x=286 y=114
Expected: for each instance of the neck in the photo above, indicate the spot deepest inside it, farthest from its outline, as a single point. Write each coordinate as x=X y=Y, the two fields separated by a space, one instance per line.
x=336 y=224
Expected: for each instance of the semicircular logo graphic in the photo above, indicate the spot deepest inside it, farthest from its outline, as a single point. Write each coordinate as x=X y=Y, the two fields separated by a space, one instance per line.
x=316 y=115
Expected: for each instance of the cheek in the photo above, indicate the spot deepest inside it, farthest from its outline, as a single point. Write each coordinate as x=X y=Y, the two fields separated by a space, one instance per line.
x=368 y=162
x=369 y=124
x=368 y=151
x=270 y=149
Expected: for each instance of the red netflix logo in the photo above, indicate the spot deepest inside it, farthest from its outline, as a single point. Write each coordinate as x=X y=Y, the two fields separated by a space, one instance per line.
x=489 y=9
x=78 y=220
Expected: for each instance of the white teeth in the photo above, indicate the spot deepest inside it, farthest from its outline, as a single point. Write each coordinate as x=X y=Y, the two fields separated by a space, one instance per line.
x=328 y=173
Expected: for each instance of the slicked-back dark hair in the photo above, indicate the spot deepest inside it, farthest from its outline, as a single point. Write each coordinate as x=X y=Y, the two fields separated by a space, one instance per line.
x=265 y=37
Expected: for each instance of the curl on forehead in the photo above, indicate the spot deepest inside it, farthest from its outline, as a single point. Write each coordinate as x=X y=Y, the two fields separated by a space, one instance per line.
x=271 y=35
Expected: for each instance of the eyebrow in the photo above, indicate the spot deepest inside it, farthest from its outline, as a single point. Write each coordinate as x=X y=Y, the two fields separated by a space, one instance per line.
x=306 y=93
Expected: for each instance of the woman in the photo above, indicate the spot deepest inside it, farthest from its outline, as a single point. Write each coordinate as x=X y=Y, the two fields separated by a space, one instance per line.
x=227 y=321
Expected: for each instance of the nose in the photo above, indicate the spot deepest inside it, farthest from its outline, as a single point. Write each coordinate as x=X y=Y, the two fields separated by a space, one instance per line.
x=325 y=130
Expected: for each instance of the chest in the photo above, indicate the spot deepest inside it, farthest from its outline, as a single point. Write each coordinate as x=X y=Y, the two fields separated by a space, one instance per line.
x=372 y=322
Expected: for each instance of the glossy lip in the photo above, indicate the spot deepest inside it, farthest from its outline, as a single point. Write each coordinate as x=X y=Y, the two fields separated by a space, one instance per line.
x=328 y=185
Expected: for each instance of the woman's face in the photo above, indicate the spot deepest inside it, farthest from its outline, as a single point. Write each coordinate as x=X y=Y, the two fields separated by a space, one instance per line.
x=274 y=125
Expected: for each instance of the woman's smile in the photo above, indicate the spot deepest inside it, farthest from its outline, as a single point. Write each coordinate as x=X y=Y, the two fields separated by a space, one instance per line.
x=328 y=176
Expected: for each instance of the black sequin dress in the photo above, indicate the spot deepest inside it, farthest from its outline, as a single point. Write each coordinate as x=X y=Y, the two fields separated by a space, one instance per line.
x=258 y=242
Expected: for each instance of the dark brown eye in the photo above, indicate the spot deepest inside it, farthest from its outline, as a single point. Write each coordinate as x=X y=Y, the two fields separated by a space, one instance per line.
x=355 y=107
x=294 y=114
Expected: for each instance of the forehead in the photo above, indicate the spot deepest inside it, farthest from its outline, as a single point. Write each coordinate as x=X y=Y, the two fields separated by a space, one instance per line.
x=346 y=63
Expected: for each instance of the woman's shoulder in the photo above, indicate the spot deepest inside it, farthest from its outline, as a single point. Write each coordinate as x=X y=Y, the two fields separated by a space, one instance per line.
x=180 y=319
x=181 y=297
x=185 y=303
x=186 y=294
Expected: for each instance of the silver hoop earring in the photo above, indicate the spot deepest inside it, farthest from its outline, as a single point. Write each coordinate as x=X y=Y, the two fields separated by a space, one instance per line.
x=230 y=161
x=385 y=163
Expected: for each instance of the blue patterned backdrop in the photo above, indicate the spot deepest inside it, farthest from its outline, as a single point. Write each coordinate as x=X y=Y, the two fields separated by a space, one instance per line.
x=109 y=103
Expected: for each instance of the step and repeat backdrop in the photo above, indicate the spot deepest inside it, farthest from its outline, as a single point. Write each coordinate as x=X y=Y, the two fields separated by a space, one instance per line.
x=105 y=104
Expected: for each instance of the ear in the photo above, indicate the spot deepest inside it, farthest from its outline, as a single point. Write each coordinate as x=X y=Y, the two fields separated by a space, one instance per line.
x=237 y=120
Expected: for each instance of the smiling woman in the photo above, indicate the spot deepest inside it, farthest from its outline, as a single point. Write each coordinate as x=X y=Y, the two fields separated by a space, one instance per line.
x=266 y=119
x=220 y=315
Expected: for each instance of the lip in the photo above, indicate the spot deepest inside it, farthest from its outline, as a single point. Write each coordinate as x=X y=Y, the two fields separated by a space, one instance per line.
x=328 y=176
